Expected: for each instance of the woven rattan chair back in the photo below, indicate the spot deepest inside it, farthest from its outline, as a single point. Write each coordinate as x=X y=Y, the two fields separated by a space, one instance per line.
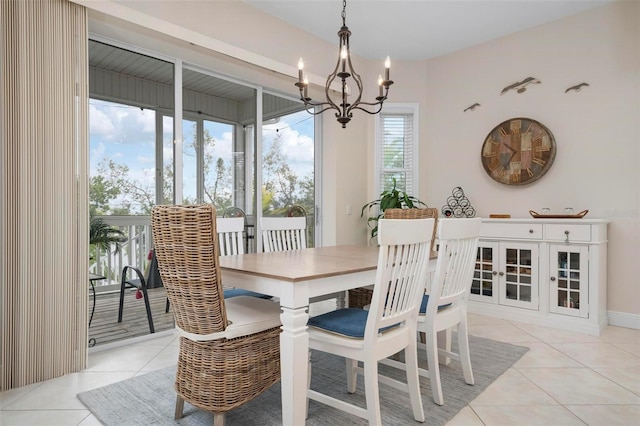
x=186 y=246
x=427 y=213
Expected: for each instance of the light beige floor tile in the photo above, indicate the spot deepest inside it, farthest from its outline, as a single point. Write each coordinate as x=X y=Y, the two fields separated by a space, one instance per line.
x=552 y=335
x=501 y=332
x=628 y=378
x=466 y=417
x=598 y=355
x=512 y=388
x=632 y=348
x=484 y=320
x=60 y=393
x=131 y=358
x=543 y=355
x=166 y=358
x=43 y=417
x=620 y=335
x=7 y=397
x=90 y=420
x=609 y=415
x=511 y=415
x=579 y=386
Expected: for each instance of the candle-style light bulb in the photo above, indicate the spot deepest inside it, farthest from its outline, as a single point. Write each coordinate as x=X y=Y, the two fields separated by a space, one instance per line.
x=380 y=81
x=387 y=65
x=306 y=85
x=300 y=68
x=343 y=57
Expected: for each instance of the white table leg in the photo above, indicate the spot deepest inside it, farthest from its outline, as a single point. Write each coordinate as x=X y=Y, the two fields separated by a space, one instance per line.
x=294 y=350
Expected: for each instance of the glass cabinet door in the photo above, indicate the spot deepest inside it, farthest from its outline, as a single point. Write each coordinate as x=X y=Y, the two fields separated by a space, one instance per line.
x=518 y=275
x=485 y=275
x=568 y=280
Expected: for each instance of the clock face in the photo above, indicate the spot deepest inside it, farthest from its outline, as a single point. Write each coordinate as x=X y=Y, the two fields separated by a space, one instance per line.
x=518 y=151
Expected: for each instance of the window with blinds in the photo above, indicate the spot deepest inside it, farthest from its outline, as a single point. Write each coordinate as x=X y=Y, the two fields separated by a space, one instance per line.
x=397 y=148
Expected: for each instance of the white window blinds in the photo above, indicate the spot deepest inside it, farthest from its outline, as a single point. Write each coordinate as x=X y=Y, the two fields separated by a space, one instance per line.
x=396 y=144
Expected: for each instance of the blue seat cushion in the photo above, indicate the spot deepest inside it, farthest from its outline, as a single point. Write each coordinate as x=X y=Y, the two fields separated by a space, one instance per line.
x=233 y=292
x=348 y=322
x=425 y=301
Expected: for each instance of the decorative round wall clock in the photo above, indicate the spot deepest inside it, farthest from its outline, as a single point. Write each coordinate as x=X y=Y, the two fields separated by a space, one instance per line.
x=518 y=151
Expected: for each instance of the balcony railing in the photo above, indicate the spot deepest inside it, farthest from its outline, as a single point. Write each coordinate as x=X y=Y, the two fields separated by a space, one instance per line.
x=133 y=251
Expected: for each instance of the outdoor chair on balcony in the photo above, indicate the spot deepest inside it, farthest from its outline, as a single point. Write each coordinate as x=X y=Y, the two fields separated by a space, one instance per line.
x=229 y=348
x=132 y=277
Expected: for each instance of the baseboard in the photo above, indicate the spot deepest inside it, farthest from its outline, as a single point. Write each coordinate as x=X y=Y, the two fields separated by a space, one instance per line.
x=131 y=341
x=623 y=319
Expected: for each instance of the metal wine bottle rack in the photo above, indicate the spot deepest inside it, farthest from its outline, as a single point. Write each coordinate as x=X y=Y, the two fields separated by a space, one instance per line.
x=458 y=205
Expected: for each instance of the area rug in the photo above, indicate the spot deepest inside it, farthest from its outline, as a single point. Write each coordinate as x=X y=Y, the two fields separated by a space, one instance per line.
x=150 y=399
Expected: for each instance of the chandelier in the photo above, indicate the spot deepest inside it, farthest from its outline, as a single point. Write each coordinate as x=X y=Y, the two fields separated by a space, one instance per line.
x=343 y=71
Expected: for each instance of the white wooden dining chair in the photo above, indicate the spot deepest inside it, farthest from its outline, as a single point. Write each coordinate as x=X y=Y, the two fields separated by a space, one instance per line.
x=230 y=242
x=388 y=327
x=230 y=235
x=445 y=305
x=283 y=233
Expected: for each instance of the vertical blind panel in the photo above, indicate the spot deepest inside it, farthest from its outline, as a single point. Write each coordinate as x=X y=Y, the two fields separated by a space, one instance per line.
x=395 y=154
x=44 y=220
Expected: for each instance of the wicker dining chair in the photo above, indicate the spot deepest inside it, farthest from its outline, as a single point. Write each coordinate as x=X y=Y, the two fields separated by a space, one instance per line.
x=229 y=348
x=361 y=297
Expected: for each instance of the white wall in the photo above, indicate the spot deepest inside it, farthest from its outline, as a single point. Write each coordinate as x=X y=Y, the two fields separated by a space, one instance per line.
x=597 y=130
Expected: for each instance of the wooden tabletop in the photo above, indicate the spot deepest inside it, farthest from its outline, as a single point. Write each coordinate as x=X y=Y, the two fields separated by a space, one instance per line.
x=303 y=265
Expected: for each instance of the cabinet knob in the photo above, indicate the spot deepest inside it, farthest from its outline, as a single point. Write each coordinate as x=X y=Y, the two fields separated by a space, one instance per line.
x=501 y=273
x=495 y=272
x=531 y=231
x=566 y=240
x=553 y=278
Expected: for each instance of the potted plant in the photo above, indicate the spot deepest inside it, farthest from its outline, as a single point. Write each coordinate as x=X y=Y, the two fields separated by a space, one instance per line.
x=103 y=236
x=392 y=199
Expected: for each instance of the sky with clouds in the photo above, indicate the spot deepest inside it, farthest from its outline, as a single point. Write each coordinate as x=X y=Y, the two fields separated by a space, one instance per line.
x=126 y=135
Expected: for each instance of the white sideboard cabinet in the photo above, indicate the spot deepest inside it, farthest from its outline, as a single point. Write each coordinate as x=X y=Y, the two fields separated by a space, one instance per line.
x=549 y=272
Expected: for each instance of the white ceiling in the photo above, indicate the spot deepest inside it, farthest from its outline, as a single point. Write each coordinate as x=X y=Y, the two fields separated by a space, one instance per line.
x=420 y=29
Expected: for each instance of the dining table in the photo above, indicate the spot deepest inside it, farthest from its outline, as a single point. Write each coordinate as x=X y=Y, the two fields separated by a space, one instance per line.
x=294 y=277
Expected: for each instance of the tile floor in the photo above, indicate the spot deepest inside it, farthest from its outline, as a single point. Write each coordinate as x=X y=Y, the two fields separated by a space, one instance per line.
x=564 y=379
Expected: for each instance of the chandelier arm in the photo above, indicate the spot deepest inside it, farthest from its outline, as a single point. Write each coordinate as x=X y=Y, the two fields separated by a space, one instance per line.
x=318 y=112
x=367 y=111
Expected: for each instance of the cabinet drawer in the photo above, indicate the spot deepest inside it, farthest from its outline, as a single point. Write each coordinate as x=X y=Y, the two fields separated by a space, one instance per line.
x=558 y=232
x=526 y=231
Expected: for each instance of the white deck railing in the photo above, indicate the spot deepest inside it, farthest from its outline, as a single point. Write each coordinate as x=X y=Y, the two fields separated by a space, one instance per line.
x=134 y=251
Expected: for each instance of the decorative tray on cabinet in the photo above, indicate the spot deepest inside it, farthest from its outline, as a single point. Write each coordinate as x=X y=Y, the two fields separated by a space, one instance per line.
x=579 y=215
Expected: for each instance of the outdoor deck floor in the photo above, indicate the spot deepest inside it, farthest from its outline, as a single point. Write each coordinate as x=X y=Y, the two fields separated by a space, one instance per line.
x=105 y=327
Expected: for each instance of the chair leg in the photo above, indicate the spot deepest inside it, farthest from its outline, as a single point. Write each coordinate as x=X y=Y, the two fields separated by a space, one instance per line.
x=434 y=367
x=372 y=394
x=306 y=407
x=413 y=380
x=444 y=342
x=147 y=305
x=179 y=407
x=218 y=419
x=352 y=375
x=465 y=355
x=166 y=308
x=121 y=303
